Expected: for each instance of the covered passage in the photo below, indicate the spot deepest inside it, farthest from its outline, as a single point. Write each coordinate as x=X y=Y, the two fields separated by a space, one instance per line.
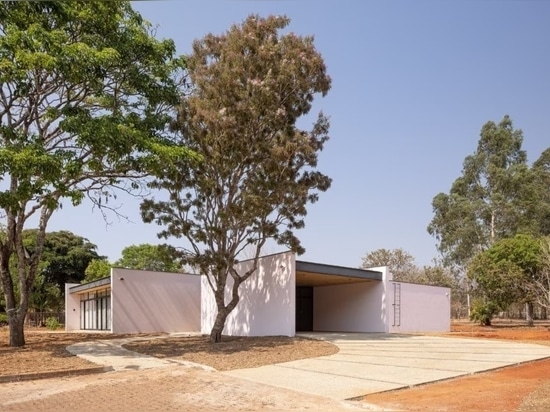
x=338 y=299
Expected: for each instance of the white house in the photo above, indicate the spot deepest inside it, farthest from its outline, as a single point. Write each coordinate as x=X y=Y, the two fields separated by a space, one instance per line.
x=287 y=296
x=283 y=297
x=135 y=301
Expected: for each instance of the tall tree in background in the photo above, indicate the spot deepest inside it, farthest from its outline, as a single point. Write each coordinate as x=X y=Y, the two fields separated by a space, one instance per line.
x=403 y=267
x=493 y=198
x=541 y=199
x=160 y=258
x=250 y=86
x=540 y=287
x=400 y=263
x=85 y=96
x=65 y=256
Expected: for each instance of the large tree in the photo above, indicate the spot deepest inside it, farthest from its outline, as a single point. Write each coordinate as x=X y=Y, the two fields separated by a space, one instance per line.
x=403 y=267
x=493 y=199
x=504 y=273
x=249 y=86
x=400 y=263
x=541 y=192
x=160 y=258
x=85 y=96
x=540 y=287
x=64 y=259
x=65 y=256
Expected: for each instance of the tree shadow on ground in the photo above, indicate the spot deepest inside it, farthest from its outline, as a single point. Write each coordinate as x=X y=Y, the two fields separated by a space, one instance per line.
x=234 y=352
x=46 y=351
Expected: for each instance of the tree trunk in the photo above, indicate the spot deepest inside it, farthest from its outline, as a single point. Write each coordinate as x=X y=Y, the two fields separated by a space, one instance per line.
x=543 y=313
x=16 y=325
x=219 y=323
x=529 y=309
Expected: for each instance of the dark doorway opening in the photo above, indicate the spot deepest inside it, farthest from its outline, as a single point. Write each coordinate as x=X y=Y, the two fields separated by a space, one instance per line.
x=304 y=309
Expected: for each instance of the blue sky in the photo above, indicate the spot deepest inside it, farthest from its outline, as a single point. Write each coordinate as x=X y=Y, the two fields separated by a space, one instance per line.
x=413 y=82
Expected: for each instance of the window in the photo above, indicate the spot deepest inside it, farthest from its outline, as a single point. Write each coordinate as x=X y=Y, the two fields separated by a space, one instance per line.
x=95 y=310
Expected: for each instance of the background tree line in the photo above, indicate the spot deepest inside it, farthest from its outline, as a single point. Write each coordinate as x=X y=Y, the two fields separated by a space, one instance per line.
x=403 y=267
x=492 y=230
x=492 y=227
x=70 y=258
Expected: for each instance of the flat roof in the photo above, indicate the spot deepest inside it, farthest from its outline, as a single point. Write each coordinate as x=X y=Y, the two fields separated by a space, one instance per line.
x=319 y=274
x=96 y=284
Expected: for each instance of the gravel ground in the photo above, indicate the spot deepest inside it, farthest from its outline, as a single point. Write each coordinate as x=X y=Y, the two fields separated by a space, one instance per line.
x=45 y=351
x=234 y=352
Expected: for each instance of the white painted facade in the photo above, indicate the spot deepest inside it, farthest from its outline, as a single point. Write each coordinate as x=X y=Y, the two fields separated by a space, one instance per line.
x=267 y=299
x=354 y=307
x=422 y=308
x=72 y=308
x=154 y=301
x=144 y=302
x=268 y=304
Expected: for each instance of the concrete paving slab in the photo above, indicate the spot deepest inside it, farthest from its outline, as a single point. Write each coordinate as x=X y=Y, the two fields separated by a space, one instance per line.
x=404 y=366
x=110 y=353
x=312 y=382
x=459 y=365
x=370 y=363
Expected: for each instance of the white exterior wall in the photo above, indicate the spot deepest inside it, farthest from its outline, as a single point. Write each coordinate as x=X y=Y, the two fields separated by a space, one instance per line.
x=72 y=308
x=423 y=309
x=144 y=301
x=356 y=307
x=267 y=299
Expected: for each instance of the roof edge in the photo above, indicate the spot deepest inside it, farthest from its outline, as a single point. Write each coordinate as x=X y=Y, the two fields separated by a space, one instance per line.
x=91 y=285
x=335 y=270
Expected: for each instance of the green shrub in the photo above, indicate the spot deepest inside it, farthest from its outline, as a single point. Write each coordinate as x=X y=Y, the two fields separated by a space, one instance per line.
x=483 y=312
x=52 y=323
x=3 y=319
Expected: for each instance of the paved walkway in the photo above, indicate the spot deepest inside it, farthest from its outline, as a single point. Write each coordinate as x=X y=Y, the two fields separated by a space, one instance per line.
x=366 y=363
x=369 y=363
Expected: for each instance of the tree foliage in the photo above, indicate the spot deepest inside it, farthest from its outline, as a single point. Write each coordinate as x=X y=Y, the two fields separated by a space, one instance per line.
x=65 y=256
x=540 y=287
x=86 y=97
x=400 y=263
x=97 y=269
x=249 y=86
x=438 y=275
x=541 y=200
x=403 y=267
x=64 y=259
x=503 y=273
x=496 y=197
x=159 y=258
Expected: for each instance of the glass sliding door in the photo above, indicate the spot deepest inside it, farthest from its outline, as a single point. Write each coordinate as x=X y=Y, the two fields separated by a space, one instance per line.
x=95 y=310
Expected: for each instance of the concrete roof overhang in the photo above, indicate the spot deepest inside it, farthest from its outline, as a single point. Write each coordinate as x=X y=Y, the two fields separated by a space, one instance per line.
x=102 y=283
x=318 y=274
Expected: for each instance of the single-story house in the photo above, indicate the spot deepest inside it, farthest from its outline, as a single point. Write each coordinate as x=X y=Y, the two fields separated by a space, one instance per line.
x=135 y=301
x=283 y=297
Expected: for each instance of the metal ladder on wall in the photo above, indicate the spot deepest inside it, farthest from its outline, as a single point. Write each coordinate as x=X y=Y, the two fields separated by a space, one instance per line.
x=397 y=304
